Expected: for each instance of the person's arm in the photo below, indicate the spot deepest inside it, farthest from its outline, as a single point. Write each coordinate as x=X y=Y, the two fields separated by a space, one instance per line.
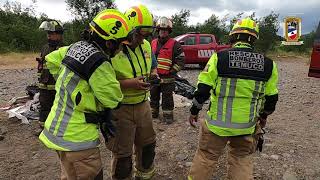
x=206 y=82
x=135 y=83
x=178 y=58
x=154 y=64
x=53 y=60
x=271 y=93
x=105 y=86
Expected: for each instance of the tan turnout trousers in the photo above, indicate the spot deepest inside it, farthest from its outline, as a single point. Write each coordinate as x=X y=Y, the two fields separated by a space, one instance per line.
x=212 y=146
x=134 y=128
x=81 y=165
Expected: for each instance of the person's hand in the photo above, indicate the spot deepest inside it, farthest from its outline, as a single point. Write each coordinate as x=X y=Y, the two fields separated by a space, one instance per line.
x=138 y=83
x=193 y=119
x=262 y=122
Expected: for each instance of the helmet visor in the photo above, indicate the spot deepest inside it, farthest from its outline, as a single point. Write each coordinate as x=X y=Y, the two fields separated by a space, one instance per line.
x=145 y=30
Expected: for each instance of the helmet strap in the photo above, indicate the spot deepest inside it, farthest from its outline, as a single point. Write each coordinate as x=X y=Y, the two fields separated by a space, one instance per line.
x=242 y=38
x=53 y=43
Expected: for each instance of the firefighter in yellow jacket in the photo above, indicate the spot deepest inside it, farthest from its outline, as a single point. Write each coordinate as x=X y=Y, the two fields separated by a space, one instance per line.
x=170 y=61
x=133 y=121
x=86 y=91
x=242 y=86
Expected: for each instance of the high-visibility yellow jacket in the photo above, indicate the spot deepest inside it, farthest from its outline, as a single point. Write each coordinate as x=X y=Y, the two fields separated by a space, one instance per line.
x=86 y=84
x=239 y=80
x=129 y=64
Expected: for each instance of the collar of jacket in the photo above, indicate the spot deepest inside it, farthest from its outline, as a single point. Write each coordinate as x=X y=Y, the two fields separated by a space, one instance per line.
x=242 y=45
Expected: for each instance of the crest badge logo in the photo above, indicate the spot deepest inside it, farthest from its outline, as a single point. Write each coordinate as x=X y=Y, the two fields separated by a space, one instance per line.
x=292 y=31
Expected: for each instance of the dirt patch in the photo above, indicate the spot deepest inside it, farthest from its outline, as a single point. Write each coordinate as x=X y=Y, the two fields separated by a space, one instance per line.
x=18 y=60
x=291 y=149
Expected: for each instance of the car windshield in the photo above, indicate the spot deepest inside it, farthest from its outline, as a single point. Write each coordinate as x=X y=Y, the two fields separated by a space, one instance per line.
x=179 y=38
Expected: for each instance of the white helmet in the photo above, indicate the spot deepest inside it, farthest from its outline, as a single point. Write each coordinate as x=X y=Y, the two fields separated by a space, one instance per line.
x=164 y=23
x=52 y=26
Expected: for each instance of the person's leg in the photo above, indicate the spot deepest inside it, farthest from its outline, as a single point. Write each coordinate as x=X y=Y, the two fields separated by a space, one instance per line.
x=122 y=144
x=46 y=98
x=240 y=162
x=155 y=98
x=81 y=165
x=145 y=142
x=210 y=148
x=167 y=103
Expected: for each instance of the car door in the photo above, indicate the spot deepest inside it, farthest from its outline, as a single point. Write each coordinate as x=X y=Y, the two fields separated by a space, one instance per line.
x=190 y=49
x=205 y=48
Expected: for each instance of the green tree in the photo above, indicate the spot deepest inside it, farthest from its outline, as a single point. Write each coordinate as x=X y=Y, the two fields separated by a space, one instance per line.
x=213 y=25
x=269 y=26
x=85 y=10
x=19 y=28
x=179 y=22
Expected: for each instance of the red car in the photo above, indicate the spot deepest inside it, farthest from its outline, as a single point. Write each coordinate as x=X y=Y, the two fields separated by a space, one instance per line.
x=314 y=70
x=198 y=48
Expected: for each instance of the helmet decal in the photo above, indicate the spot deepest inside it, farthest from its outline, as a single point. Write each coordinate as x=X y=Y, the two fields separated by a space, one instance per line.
x=138 y=11
x=122 y=21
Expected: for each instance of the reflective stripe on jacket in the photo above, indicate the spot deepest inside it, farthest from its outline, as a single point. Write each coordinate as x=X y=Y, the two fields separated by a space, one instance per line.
x=240 y=78
x=130 y=64
x=165 y=56
x=66 y=128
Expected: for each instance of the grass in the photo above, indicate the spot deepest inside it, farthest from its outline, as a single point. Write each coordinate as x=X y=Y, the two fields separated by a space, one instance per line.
x=18 y=60
x=281 y=54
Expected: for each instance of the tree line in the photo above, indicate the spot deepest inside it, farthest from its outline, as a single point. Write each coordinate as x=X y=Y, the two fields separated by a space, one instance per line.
x=19 y=26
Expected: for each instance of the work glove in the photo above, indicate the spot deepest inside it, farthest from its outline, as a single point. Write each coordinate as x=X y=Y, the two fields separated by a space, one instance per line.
x=107 y=128
x=261 y=140
x=262 y=121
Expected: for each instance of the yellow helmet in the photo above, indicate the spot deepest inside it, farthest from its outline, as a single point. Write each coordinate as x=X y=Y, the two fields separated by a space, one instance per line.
x=246 y=26
x=140 y=17
x=111 y=24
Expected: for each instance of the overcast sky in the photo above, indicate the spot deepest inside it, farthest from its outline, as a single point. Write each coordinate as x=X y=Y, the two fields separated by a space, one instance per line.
x=308 y=10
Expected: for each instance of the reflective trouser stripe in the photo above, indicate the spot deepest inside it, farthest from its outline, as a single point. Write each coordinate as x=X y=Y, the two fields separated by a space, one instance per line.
x=229 y=124
x=72 y=146
x=167 y=80
x=46 y=86
x=145 y=175
x=176 y=67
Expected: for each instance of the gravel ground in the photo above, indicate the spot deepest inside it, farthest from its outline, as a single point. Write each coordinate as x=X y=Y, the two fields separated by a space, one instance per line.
x=290 y=152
